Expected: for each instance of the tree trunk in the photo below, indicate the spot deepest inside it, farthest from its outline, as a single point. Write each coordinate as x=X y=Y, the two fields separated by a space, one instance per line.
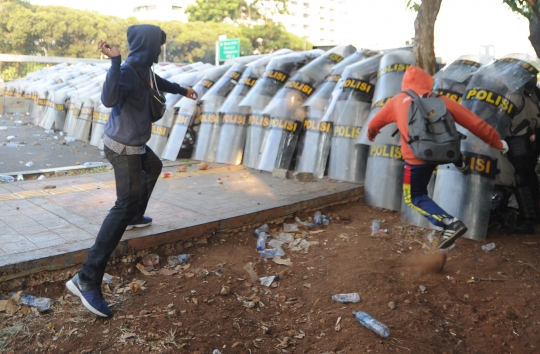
x=534 y=35
x=424 y=35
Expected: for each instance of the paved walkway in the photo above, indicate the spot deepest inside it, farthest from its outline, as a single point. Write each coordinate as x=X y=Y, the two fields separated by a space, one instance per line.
x=45 y=228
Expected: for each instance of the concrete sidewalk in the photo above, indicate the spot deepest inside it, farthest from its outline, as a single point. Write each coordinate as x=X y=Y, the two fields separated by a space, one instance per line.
x=45 y=228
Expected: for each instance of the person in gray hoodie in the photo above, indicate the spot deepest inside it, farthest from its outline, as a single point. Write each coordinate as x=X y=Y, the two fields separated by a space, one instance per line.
x=136 y=166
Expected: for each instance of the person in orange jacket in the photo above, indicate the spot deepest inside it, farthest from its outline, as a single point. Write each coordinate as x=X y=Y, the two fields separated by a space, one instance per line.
x=417 y=172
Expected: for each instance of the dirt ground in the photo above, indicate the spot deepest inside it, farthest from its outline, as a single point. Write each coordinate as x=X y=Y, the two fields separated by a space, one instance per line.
x=481 y=302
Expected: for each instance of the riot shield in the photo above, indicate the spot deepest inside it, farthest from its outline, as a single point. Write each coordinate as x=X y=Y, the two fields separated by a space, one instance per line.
x=384 y=171
x=100 y=116
x=450 y=82
x=277 y=72
x=495 y=94
x=188 y=109
x=234 y=118
x=286 y=112
x=314 y=142
x=350 y=106
x=162 y=128
x=210 y=129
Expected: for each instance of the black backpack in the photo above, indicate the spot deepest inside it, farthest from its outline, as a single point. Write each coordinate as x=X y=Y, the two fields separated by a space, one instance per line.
x=433 y=136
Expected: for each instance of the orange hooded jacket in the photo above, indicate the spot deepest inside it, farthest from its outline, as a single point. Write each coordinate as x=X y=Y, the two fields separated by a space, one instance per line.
x=396 y=110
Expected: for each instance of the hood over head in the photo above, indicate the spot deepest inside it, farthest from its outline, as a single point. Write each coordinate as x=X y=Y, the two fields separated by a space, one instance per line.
x=144 y=44
x=416 y=79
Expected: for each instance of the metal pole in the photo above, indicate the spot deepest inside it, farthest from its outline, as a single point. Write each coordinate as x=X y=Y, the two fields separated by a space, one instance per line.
x=217 y=53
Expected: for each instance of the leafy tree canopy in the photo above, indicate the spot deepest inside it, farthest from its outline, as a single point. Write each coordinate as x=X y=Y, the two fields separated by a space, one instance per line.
x=527 y=8
x=59 y=31
x=236 y=10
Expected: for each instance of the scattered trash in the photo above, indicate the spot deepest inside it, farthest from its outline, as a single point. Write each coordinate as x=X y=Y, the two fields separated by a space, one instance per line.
x=285 y=262
x=70 y=139
x=431 y=236
x=422 y=288
x=290 y=228
x=6 y=179
x=180 y=259
x=271 y=253
x=48 y=131
x=275 y=243
x=20 y=177
x=317 y=218
x=29 y=164
x=325 y=220
x=167 y=271
x=344 y=298
x=489 y=247
x=216 y=352
x=102 y=153
x=267 y=281
x=261 y=241
x=166 y=174
x=375 y=226
x=181 y=168
x=370 y=323
x=107 y=278
x=40 y=303
x=252 y=274
x=202 y=166
x=11 y=137
x=260 y=229
x=225 y=290
x=307 y=224
x=285 y=237
x=93 y=164
x=143 y=270
x=41 y=177
x=337 y=327
x=151 y=259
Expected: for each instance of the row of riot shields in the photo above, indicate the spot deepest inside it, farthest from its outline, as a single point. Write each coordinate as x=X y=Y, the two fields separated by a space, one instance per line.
x=307 y=111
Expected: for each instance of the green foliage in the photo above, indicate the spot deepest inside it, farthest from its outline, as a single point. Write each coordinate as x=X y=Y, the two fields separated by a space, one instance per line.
x=524 y=7
x=413 y=5
x=236 y=10
x=59 y=31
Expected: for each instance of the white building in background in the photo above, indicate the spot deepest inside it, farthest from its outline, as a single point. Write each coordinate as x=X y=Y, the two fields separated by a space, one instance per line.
x=315 y=20
x=162 y=10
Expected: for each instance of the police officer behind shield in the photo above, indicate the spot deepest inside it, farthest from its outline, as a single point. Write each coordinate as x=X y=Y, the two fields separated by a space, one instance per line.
x=522 y=146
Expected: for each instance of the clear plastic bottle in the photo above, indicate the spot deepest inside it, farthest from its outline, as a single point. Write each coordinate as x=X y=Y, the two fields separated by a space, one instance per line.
x=343 y=298
x=325 y=220
x=93 y=164
x=180 y=259
x=150 y=260
x=268 y=253
x=317 y=218
x=307 y=224
x=260 y=229
x=6 y=179
x=261 y=241
x=40 y=303
x=375 y=226
x=369 y=322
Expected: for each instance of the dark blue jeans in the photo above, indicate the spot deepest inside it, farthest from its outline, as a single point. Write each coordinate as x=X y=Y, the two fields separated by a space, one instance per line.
x=415 y=182
x=135 y=176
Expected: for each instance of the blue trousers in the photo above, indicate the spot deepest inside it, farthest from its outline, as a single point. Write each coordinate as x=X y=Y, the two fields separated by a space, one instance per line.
x=415 y=181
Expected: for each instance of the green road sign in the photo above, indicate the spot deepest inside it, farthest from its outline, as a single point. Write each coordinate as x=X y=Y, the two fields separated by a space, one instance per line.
x=229 y=48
